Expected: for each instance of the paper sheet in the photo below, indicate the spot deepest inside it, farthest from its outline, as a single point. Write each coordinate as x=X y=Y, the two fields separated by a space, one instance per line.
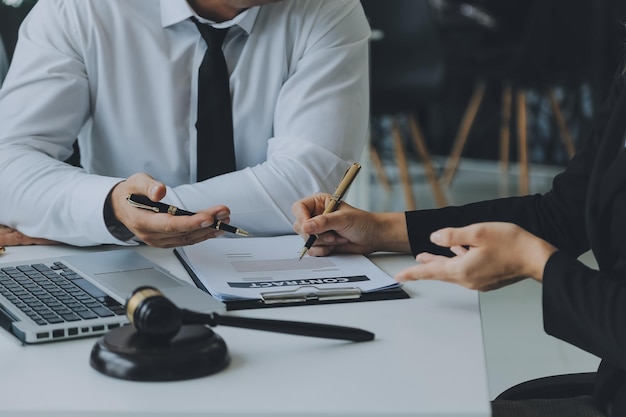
x=251 y=268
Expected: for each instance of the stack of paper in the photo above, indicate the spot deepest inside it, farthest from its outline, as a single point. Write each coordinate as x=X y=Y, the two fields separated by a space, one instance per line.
x=268 y=268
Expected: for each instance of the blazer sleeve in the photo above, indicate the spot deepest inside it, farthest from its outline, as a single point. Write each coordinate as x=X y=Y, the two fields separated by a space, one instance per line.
x=582 y=306
x=585 y=307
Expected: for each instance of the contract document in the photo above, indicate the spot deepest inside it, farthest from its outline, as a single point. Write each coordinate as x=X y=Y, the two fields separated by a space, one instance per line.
x=268 y=269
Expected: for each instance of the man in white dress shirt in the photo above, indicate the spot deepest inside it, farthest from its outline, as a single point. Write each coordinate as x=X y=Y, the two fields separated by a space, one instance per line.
x=121 y=76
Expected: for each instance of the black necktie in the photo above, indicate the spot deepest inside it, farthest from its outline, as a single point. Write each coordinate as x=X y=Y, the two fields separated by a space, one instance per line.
x=215 y=148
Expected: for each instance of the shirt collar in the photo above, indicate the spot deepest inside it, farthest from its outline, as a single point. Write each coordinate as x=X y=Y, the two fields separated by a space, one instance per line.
x=176 y=11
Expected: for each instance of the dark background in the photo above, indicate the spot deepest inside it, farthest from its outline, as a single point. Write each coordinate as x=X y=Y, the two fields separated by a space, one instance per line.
x=10 y=20
x=572 y=47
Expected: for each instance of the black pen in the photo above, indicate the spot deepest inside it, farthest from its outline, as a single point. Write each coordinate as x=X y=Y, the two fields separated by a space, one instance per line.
x=143 y=202
x=335 y=199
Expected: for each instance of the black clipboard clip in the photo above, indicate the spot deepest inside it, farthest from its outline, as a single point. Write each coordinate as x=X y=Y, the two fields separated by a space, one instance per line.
x=310 y=293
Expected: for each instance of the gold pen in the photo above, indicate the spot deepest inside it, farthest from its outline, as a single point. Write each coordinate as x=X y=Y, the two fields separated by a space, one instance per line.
x=335 y=199
x=2 y=250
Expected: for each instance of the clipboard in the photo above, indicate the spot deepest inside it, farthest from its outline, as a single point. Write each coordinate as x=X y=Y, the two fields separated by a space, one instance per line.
x=299 y=297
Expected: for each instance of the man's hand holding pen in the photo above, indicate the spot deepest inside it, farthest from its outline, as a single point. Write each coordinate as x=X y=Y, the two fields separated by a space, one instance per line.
x=163 y=229
x=144 y=203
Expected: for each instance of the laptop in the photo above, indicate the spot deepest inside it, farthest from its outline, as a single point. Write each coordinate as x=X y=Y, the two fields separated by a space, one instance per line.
x=83 y=295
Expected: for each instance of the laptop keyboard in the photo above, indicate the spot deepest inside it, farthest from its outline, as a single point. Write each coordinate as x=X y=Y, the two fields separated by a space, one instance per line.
x=52 y=294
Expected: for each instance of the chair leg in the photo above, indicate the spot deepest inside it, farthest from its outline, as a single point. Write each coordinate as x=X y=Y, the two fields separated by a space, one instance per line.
x=560 y=121
x=505 y=128
x=463 y=132
x=405 y=178
x=422 y=150
x=505 y=138
x=380 y=169
x=522 y=143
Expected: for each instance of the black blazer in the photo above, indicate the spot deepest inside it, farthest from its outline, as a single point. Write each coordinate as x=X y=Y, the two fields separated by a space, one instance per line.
x=586 y=209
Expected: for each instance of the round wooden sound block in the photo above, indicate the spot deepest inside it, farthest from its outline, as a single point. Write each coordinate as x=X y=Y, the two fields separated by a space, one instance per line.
x=195 y=351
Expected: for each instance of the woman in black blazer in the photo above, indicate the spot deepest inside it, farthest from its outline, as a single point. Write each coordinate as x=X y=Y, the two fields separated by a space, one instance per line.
x=490 y=244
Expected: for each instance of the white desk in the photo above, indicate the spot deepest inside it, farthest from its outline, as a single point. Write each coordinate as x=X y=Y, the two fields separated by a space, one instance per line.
x=427 y=360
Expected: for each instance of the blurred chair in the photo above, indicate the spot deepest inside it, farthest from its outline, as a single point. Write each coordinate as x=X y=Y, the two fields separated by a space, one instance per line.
x=556 y=386
x=545 y=44
x=407 y=75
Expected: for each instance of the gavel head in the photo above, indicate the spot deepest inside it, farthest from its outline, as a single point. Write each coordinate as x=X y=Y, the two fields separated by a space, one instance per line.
x=153 y=314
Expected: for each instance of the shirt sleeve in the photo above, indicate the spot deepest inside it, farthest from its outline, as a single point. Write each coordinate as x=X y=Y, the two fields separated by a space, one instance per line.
x=42 y=109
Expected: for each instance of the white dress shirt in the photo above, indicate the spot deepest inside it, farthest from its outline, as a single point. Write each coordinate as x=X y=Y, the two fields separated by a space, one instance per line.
x=121 y=76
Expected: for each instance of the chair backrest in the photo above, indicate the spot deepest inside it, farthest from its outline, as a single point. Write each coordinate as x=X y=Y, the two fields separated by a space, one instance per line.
x=531 y=42
x=557 y=44
x=407 y=58
x=554 y=386
x=480 y=35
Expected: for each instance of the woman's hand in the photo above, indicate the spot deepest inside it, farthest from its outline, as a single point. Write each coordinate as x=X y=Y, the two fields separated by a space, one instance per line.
x=348 y=229
x=488 y=256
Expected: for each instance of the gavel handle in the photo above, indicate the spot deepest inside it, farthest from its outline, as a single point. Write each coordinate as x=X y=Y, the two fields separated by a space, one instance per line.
x=300 y=328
